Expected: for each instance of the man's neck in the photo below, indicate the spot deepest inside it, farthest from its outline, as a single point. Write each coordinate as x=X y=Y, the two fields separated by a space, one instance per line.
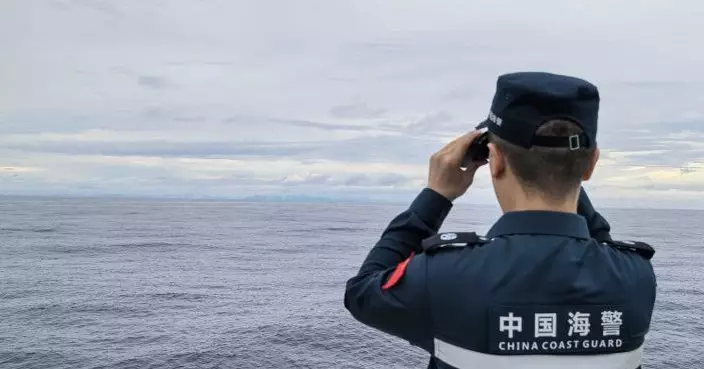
x=539 y=204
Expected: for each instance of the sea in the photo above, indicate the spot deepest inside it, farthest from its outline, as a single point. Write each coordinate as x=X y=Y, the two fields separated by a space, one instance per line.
x=116 y=283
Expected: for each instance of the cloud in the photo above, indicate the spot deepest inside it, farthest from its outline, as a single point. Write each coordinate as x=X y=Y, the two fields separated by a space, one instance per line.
x=356 y=111
x=238 y=98
x=157 y=83
x=395 y=148
x=163 y=148
x=434 y=123
x=320 y=125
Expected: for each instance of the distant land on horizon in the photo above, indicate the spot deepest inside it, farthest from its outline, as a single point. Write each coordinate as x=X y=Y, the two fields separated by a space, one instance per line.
x=290 y=199
x=253 y=198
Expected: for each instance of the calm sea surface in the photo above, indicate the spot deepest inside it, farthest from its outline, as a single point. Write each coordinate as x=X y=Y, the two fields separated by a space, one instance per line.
x=146 y=284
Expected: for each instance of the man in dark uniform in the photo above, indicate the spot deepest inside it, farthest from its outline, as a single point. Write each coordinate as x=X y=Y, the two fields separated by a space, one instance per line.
x=547 y=287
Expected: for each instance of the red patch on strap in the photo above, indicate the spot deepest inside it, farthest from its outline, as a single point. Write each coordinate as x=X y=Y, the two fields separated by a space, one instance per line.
x=398 y=273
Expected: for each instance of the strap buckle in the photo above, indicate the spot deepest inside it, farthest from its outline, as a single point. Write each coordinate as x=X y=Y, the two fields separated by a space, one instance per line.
x=574 y=142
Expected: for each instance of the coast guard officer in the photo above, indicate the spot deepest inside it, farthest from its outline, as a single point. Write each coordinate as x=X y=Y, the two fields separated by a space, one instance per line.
x=547 y=287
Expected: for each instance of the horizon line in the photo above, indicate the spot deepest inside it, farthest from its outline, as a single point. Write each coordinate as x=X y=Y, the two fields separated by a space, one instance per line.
x=283 y=199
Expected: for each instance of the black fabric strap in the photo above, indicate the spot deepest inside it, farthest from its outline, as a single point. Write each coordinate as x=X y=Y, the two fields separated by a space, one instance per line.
x=442 y=240
x=642 y=248
x=573 y=142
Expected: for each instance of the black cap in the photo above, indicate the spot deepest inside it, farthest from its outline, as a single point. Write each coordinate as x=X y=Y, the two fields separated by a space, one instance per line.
x=525 y=100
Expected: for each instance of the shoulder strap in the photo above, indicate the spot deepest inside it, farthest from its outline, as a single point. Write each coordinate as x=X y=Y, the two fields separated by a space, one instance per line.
x=451 y=240
x=642 y=248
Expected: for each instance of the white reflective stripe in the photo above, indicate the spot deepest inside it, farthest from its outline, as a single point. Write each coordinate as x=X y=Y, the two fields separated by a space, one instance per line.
x=462 y=358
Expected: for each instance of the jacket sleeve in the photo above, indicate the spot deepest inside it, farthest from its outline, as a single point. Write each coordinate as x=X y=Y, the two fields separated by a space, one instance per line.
x=402 y=310
x=599 y=228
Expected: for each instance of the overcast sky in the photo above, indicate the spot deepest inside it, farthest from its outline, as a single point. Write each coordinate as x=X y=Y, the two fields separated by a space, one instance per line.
x=234 y=98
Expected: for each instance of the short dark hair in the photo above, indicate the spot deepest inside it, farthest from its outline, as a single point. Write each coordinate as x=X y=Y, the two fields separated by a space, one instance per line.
x=553 y=173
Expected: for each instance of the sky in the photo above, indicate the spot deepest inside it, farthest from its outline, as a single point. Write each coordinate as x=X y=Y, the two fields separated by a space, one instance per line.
x=338 y=99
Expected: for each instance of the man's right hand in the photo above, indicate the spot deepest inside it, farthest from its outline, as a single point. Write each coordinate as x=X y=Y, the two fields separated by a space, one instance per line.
x=445 y=175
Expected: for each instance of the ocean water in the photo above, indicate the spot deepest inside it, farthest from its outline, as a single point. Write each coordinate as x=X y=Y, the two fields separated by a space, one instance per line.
x=165 y=284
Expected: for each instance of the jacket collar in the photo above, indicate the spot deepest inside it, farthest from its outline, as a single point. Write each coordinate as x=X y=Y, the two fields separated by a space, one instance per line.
x=540 y=222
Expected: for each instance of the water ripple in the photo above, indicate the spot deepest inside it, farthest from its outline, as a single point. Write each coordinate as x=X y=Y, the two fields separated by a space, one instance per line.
x=223 y=285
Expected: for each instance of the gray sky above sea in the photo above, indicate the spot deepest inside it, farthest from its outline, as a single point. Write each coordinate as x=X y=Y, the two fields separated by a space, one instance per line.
x=339 y=99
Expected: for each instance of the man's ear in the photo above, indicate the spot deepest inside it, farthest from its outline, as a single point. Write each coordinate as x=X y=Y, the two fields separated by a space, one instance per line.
x=497 y=161
x=592 y=164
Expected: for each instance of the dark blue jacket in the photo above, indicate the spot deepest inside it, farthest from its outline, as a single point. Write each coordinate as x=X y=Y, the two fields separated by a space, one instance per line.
x=540 y=290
